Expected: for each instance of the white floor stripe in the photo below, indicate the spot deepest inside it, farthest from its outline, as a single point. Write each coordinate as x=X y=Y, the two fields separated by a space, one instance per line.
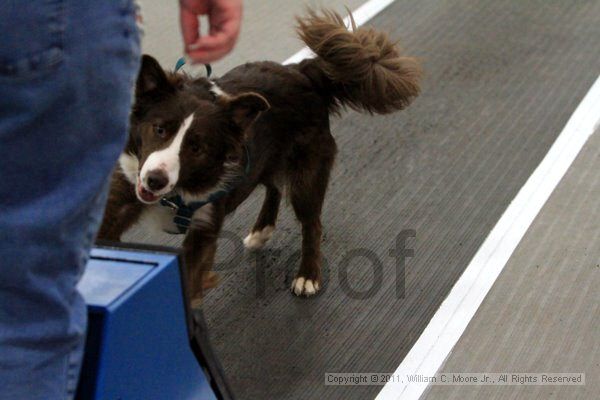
x=361 y=15
x=451 y=319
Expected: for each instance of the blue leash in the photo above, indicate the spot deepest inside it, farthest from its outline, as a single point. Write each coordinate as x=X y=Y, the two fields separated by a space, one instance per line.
x=181 y=62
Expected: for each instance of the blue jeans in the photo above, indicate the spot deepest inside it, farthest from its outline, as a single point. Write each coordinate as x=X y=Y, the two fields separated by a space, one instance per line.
x=67 y=70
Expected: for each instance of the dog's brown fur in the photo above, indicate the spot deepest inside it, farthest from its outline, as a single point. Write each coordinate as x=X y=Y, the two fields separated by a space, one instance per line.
x=363 y=68
x=281 y=113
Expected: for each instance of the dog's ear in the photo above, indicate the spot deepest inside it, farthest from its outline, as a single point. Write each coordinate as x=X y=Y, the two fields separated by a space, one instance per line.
x=245 y=108
x=152 y=78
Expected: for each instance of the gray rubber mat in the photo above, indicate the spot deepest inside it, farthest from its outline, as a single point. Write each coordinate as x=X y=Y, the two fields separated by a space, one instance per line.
x=502 y=79
x=542 y=314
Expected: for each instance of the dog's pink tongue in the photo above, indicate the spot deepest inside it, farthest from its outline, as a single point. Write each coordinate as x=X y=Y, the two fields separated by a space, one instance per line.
x=146 y=195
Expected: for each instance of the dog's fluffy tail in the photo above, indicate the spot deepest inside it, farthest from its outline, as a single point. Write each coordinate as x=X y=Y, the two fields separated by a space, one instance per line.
x=359 y=68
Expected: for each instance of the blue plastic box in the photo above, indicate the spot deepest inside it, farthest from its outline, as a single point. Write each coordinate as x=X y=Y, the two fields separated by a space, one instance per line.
x=140 y=342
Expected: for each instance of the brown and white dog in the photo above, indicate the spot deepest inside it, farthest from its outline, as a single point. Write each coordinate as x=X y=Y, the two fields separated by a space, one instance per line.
x=204 y=145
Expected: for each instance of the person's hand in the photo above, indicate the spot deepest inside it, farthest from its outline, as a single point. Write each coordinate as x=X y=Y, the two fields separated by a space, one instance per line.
x=224 y=16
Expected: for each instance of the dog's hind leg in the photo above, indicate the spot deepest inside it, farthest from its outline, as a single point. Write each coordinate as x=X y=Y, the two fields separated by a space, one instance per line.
x=307 y=192
x=265 y=224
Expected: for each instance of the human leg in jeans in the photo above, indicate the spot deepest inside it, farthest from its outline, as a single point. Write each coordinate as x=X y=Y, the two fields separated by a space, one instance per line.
x=67 y=69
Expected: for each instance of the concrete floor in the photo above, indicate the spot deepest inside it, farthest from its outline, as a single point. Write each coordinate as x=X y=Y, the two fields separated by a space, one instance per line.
x=502 y=79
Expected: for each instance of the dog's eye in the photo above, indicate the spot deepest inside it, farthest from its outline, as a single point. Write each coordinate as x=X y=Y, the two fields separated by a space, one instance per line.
x=160 y=131
x=195 y=147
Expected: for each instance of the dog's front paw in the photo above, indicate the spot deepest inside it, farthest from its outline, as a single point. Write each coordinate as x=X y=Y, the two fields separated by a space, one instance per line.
x=302 y=286
x=257 y=239
x=210 y=279
x=198 y=288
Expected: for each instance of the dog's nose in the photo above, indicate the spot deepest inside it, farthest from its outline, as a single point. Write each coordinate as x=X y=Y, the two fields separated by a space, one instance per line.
x=156 y=180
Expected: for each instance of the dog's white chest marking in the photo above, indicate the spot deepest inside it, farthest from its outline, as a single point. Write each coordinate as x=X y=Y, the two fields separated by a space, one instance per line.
x=160 y=218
